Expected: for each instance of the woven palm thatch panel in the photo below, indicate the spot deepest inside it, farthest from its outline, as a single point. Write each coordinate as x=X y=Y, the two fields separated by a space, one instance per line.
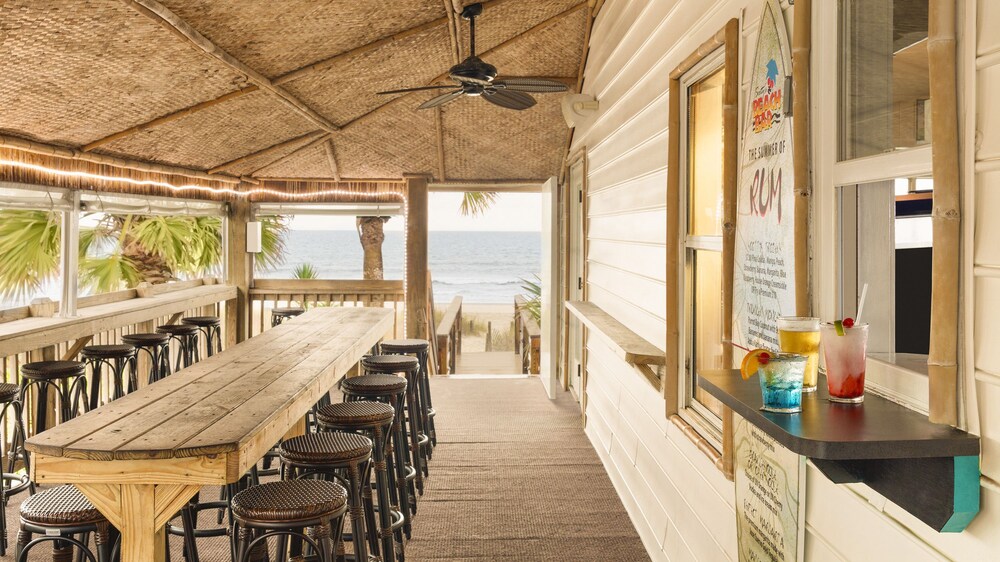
x=504 y=20
x=78 y=70
x=217 y=134
x=552 y=51
x=253 y=164
x=279 y=36
x=348 y=90
x=396 y=140
x=486 y=141
x=311 y=162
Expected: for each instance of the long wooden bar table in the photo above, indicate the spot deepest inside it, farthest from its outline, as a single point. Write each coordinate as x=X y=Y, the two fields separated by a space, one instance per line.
x=139 y=459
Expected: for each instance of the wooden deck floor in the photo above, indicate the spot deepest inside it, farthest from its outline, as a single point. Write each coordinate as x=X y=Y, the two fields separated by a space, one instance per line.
x=488 y=363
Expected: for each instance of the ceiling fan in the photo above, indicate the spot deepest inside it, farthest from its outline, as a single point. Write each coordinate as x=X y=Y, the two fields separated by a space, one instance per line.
x=476 y=77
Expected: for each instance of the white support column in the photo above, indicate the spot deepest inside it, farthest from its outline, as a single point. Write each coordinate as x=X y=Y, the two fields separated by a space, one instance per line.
x=70 y=255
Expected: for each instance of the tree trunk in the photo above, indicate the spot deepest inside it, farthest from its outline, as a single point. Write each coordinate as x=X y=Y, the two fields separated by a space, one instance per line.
x=372 y=234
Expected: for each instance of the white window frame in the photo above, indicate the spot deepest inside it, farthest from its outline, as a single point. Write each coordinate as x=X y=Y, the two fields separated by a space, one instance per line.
x=901 y=381
x=708 y=424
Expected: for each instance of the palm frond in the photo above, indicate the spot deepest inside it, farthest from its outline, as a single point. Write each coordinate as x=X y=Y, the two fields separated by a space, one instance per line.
x=477 y=202
x=305 y=271
x=533 y=299
x=108 y=273
x=29 y=252
x=274 y=232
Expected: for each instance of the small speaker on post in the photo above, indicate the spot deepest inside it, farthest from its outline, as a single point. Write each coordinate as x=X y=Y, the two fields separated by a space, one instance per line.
x=254 y=243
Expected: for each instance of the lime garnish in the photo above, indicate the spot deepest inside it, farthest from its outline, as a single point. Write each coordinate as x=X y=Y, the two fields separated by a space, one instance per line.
x=839 y=326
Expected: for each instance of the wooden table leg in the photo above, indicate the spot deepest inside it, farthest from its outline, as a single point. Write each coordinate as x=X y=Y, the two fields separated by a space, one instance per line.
x=140 y=512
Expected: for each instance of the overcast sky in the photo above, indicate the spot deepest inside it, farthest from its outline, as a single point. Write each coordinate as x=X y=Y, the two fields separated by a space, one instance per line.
x=512 y=212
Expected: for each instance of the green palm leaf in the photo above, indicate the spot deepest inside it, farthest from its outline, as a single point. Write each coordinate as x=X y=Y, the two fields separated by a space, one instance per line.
x=274 y=232
x=108 y=273
x=29 y=252
x=305 y=271
x=477 y=202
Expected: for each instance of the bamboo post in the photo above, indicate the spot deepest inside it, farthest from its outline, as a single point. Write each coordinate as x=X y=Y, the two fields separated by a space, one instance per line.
x=801 y=47
x=947 y=218
x=417 y=286
x=238 y=272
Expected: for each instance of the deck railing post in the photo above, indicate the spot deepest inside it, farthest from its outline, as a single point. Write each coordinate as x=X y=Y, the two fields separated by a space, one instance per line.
x=238 y=270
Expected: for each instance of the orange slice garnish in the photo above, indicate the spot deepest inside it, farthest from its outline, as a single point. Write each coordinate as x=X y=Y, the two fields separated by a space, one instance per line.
x=752 y=361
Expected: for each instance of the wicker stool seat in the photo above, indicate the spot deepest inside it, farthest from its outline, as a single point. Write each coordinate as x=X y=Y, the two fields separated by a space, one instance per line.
x=186 y=336
x=362 y=413
x=8 y=392
x=374 y=384
x=62 y=505
x=141 y=340
x=329 y=447
x=389 y=363
x=47 y=370
x=202 y=321
x=178 y=329
x=282 y=509
x=280 y=314
x=108 y=351
x=404 y=346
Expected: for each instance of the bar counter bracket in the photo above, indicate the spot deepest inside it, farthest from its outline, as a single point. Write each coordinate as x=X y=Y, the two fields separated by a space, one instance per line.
x=628 y=345
x=929 y=470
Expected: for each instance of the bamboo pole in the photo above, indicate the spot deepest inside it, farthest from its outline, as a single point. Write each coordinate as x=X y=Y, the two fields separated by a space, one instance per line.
x=331 y=157
x=801 y=47
x=730 y=179
x=456 y=48
x=315 y=142
x=265 y=151
x=7 y=141
x=942 y=359
x=439 y=130
x=174 y=24
x=168 y=118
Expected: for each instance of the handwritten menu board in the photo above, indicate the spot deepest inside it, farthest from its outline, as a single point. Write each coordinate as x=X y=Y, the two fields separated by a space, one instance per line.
x=764 y=257
x=770 y=487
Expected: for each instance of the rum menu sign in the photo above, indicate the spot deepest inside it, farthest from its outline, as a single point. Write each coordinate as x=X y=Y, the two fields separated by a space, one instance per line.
x=764 y=266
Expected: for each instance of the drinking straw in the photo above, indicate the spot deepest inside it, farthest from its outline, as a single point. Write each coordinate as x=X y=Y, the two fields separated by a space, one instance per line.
x=861 y=303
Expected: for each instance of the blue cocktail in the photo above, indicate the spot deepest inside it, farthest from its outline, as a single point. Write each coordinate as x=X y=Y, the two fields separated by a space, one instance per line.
x=781 y=382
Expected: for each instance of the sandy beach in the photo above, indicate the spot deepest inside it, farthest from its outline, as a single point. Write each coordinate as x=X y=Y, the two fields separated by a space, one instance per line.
x=474 y=336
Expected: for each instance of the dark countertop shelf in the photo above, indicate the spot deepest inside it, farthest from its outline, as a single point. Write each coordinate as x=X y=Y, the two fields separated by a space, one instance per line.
x=875 y=429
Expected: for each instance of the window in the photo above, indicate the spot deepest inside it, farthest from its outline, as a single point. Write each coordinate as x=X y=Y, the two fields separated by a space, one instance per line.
x=702 y=190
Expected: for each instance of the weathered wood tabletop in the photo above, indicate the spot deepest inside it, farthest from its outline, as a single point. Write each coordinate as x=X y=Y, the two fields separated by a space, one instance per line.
x=140 y=458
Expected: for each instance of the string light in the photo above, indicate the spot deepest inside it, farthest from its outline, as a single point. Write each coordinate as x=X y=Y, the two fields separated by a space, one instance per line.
x=236 y=193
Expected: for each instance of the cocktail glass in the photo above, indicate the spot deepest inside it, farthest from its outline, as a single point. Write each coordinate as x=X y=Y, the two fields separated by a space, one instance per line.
x=781 y=382
x=800 y=334
x=845 y=362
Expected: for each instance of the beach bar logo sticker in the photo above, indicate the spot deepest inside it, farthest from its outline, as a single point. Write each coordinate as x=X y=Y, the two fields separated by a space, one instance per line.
x=764 y=257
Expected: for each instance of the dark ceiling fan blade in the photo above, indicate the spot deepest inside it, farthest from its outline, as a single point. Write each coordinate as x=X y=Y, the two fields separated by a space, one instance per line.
x=404 y=90
x=529 y=84
x=509 y=99
x=441 y=100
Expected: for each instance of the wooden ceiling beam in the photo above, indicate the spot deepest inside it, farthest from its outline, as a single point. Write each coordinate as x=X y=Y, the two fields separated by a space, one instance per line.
x=174 y=24
x=541 y=26
x=290 y=155
x=271 y=149
x=456 y=48
x=167 y=118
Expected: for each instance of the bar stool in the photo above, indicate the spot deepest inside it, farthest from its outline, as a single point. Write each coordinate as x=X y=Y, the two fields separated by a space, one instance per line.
x=186 y=337
x=286 y=508
x=58 y=514
x=409 y=366
x=157 y=349
x=374 y=420
x=279 y=315
x=10 y=482
x=211 y=329
x=419 y=349
x=345 y=457
x=390 y=389
x=189 y=517
x=114 y=358
x=68 y=380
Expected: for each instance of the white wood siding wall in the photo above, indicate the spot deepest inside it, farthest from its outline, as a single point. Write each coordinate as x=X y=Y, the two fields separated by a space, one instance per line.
x=679 y=502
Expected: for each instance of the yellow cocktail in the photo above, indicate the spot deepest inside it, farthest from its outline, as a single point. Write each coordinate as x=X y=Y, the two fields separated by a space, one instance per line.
x=800 y=334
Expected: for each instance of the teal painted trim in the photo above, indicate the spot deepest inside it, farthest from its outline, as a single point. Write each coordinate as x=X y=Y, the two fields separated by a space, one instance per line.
x=966 y=499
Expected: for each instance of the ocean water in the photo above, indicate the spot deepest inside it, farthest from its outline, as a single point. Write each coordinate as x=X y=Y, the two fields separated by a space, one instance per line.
x=482 y=267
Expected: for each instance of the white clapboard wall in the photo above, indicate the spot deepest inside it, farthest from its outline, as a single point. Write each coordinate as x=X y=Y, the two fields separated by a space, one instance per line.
x=680 y=503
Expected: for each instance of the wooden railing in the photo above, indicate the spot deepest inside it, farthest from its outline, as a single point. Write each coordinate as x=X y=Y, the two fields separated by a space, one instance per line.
x=266 y=294
x=35 y=333
x=449 y=337
x=527 y=338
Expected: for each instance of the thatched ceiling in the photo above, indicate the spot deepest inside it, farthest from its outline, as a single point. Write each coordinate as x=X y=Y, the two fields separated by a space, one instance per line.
x=286 y=89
